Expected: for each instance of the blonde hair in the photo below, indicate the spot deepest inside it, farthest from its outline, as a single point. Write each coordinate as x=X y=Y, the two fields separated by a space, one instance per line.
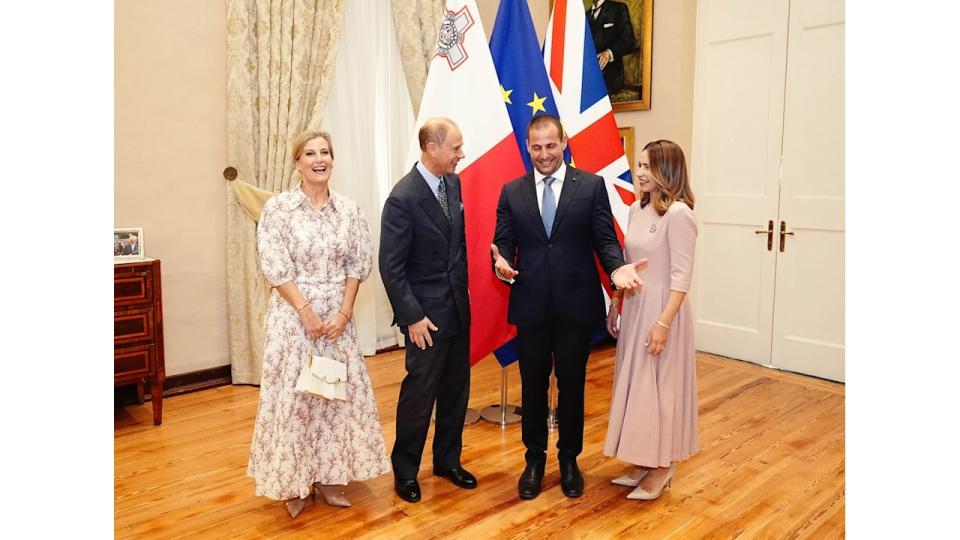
x=302 y=139
x=668 y=168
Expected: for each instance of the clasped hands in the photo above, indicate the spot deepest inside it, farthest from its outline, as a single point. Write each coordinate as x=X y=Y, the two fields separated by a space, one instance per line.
x=626 y=277
x=317 y=328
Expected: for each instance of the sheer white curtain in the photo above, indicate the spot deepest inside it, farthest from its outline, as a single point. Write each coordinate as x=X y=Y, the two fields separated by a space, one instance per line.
x=372 y=121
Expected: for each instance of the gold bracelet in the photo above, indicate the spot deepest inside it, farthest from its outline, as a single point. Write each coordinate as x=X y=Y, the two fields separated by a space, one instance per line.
x=344 y=315
x=662 y=324
x=303 y=307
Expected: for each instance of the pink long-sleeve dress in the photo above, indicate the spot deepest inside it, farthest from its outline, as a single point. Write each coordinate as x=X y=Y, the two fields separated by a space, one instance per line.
x=653 y=411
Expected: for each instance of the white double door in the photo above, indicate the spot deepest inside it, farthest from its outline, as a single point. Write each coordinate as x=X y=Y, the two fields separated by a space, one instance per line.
x=768 y=156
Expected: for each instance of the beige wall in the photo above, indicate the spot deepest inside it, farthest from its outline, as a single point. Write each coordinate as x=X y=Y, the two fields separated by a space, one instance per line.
x=539 y=12
x=671 y=113
x=170 y=146
x=170 y=106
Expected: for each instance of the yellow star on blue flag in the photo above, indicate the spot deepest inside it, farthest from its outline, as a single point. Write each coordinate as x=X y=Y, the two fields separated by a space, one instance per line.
x=537 y=104
x=506 y=94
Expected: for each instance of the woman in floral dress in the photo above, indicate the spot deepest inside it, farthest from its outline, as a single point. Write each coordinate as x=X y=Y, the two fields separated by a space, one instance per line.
x=315 y=249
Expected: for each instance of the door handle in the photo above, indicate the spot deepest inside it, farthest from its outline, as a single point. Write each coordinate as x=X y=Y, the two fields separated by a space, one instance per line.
x=783 y=235
x=769 y=233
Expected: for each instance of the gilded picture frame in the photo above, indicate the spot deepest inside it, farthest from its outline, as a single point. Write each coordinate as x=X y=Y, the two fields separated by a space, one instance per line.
x=626 y=138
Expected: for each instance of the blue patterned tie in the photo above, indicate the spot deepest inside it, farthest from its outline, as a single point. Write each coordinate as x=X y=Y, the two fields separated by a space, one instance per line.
x=549 y=205
x=442 y=198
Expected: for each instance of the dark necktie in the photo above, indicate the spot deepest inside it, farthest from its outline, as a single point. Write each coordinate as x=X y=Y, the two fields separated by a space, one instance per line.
x=442 y=197
x=549 y=205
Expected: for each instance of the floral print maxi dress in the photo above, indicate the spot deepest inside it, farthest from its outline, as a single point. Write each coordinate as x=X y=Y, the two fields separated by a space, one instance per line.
x=300 y=439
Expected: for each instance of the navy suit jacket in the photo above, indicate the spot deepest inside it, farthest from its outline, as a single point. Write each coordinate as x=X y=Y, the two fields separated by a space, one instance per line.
x=559 y=269
x=423 y=256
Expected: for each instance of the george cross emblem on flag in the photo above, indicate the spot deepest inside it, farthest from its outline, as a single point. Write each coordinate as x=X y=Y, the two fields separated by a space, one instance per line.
x=452 y=31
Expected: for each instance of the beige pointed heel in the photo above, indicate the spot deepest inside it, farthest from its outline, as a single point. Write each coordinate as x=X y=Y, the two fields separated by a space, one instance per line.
x=334 y=495
x=295 y=506
x=640 y=494
x=628 y=480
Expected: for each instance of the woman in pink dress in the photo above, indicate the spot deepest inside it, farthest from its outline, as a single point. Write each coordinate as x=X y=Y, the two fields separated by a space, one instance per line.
x=315 y=249
x=653 y=412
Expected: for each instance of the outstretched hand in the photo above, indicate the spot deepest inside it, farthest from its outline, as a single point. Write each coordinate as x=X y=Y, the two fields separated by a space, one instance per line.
x=500 y=264
x=627 y=277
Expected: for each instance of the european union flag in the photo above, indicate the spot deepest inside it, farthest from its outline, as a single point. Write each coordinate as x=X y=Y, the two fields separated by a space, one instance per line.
x=519 y=63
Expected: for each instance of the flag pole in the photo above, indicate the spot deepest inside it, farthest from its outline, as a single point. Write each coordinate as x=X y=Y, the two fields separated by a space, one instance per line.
x=502 y=413
x=552 y=401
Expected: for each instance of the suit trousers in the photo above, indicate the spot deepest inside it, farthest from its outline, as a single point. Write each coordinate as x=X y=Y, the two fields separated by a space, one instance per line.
x=440 y=374
x=550 y=345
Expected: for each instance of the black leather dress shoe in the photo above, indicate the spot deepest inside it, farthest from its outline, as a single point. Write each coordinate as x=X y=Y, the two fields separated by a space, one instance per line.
x=571 y=481
x=408 y=490
x=529 y=484
x=459 y=476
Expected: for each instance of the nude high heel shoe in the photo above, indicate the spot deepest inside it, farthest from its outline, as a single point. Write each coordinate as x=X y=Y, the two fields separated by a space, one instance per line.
x=640 y=494
x=628 y=480
x=295 y=506
x=333 y=495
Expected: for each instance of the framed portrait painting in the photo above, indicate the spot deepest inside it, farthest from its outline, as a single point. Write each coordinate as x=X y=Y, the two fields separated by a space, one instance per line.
x=128 y=244
x=622 y=33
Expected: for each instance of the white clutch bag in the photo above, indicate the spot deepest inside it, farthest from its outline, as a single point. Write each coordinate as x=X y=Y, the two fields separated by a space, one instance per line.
x=324 y=376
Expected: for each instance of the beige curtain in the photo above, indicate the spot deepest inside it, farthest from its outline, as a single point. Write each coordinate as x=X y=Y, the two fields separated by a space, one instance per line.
x=418 y=25
x=280 y=57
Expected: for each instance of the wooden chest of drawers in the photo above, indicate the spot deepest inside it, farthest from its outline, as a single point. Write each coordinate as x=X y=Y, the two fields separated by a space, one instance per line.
x=138 y=328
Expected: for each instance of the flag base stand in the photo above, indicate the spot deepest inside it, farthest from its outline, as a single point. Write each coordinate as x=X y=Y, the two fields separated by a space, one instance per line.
x=509 y=414
x=502 y=413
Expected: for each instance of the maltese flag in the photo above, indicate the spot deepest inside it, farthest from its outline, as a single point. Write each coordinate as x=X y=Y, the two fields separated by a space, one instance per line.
x=462 y=85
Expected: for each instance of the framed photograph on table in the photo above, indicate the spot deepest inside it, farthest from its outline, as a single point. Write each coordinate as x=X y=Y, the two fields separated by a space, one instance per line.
x=622 y=33
x=128 y=244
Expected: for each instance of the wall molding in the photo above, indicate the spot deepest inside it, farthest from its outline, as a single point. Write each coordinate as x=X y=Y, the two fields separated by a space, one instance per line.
x=195 y=381
x=175 y=385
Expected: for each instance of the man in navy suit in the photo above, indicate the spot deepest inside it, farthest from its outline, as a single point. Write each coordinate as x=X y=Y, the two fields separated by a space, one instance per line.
x=550 y=223
x=423 y=263
x=613 y=38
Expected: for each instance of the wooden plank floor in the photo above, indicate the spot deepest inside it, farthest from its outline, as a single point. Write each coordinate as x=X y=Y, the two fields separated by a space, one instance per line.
x=771 y=465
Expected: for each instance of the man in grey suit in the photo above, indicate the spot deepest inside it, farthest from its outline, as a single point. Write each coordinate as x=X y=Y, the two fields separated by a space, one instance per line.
x=423 y=263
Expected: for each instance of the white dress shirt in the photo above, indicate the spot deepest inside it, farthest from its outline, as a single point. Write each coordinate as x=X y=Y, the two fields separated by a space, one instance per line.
x=556 y=186
x=596 y=8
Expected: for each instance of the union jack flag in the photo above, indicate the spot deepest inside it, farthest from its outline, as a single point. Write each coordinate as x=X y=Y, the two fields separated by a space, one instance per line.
x=584 y=106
